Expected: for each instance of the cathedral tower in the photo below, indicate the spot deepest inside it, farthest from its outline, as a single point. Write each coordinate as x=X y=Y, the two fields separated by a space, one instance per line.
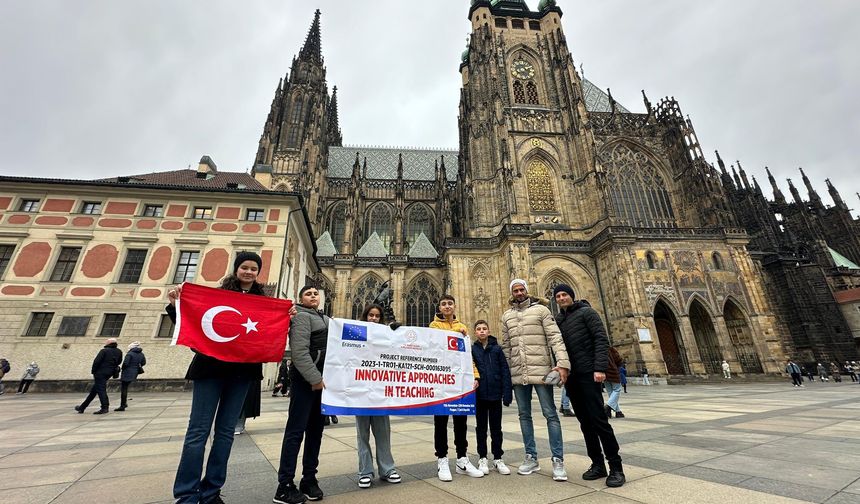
x=302 y=123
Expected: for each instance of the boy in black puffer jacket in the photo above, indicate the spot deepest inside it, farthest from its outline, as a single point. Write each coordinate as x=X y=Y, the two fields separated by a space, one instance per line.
x=494 y=389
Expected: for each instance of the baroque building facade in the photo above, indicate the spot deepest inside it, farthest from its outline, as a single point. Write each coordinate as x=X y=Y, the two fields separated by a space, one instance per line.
x=555 y=182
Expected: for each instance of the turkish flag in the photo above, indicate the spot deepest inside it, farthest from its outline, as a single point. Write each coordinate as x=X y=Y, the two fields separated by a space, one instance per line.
x=231 y=326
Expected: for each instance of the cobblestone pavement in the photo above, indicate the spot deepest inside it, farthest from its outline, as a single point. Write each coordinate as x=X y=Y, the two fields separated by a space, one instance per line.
x=738 y=443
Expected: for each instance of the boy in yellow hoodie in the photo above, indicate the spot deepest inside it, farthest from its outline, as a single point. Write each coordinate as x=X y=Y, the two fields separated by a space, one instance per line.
x=447 y=321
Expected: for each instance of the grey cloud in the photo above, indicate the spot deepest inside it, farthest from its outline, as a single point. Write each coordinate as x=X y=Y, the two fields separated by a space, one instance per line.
x=101 y=88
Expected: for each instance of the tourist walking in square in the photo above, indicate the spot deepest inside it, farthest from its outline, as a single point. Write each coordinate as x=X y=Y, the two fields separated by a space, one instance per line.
x=283 y=381
x=381 y=427
x=494 y=390
x=565 y=404
x=29 y=375
x=794 y=370
x=105 y=365
x=588 y=349
x=5 y=367
x=308 y=342
x=822 y=372
x=613 y=384
x=447 y=320
x=622 y=369
x=727 y=371
x=530 y=339
x=132 y=367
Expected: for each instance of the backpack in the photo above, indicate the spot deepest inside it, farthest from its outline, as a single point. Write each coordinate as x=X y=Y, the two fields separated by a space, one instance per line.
x=4 y=365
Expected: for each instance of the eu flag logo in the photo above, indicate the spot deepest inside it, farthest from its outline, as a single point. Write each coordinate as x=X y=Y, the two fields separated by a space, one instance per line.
x=354 y=332
x=457 y=344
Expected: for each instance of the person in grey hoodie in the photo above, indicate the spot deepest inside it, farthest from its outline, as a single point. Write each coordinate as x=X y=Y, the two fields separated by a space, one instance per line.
x=132 y=366
x=308 y=338
x=29 y=375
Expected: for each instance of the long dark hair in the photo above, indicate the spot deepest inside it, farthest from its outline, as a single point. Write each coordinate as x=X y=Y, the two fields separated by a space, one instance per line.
x=231 y=282
x=369 y=307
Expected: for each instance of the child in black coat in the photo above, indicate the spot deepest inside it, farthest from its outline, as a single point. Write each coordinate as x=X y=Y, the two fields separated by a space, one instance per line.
x=494 y=389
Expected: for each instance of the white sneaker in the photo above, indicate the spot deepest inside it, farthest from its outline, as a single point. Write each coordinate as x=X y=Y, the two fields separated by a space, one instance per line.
x=444 y=471
x=500 y=466
x=530 y=464
x=464 y=466
x=558 y=472
x=483 y=466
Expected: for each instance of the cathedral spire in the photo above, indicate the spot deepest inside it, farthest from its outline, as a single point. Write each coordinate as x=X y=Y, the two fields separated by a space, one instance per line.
x=777 y=194
x=312 y=50
x=795 y=194
x=834 y=194
x=333 y=114
x=743 y=175
x=814 y=198
x=737 y=179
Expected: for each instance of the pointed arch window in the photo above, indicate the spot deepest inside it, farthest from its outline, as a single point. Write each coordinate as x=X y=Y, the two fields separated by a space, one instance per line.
x=541 y=197
x=296 y=116
x=421 y=302
x=636 y=188
x=531 y=93
x=519 y=92
x=419 y=219
x=364 y=294
x=554 y=282
x=380 y=220
x=336 y=225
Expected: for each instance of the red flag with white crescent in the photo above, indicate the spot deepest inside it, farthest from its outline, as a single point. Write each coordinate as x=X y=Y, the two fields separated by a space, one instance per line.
x=231 y=326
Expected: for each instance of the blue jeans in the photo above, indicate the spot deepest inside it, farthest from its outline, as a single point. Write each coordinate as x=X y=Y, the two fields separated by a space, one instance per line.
x=614 y=391
x=221 y=401
x=523 y=393
x=381 y=426
x=565 y=401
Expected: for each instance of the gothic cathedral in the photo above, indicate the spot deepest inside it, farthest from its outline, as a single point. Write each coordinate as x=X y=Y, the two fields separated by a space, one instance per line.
x=554 y=182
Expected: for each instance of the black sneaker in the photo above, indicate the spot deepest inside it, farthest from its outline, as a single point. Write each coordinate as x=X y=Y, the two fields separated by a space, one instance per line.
x=101 y=411
x=79 y=409
x=311 y=489
x=616 y=479
x=289 y=494
x=595 y=472
x=216 y=500
x=122 y=408
x=334 y=419
x=608 y=411
x=619 y=414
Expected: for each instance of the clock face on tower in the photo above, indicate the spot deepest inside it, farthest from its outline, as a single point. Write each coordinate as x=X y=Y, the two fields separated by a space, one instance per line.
x=522 y=69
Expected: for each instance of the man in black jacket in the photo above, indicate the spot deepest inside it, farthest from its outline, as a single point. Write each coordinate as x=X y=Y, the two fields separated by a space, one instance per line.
x=105 y=365
x=588 y=351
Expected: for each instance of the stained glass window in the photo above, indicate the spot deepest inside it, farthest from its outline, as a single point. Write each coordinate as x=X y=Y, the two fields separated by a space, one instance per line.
x=336 y=225
x=380 y=219
x=419 y=219
x=638 y=192
x=421 y=300
x=364 y=293
x=541 y=197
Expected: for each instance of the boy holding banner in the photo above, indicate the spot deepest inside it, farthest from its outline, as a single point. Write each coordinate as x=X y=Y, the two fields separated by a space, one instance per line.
x=447 y=321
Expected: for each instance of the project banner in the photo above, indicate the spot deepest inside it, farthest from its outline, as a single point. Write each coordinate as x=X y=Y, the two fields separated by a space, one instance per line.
x=371 y=369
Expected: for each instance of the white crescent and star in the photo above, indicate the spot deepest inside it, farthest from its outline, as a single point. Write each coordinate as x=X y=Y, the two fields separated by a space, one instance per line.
x=452 y=343
x=210 y=332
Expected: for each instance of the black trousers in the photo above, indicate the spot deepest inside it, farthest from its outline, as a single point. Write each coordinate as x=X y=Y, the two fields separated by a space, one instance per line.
x=440 y=435
x=99 y=388
x=305 y=422
x=586 y=397
x=489 y=412
x=24 y=385
x=795 y=379
x=123 y=392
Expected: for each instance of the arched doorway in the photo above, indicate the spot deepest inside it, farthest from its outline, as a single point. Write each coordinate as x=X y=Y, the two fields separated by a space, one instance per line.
x=706 y=338
x=741 y=336
x=667 y=335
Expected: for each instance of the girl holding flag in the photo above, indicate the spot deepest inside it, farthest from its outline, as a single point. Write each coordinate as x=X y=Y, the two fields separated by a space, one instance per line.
x=219 y=390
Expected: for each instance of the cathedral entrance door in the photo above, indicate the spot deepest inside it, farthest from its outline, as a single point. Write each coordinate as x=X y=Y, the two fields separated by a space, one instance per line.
x=667 y=335
x=706 y=338
x=741 y=336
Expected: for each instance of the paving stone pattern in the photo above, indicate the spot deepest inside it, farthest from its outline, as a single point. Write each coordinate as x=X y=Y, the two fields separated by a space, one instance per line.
x=737 y=443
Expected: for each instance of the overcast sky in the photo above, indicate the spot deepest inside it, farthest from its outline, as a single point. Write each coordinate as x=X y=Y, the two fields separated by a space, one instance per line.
x=102 y=88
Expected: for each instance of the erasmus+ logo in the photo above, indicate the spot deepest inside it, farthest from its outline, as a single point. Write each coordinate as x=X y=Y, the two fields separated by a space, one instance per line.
x=354 y=332
x=457 y=344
